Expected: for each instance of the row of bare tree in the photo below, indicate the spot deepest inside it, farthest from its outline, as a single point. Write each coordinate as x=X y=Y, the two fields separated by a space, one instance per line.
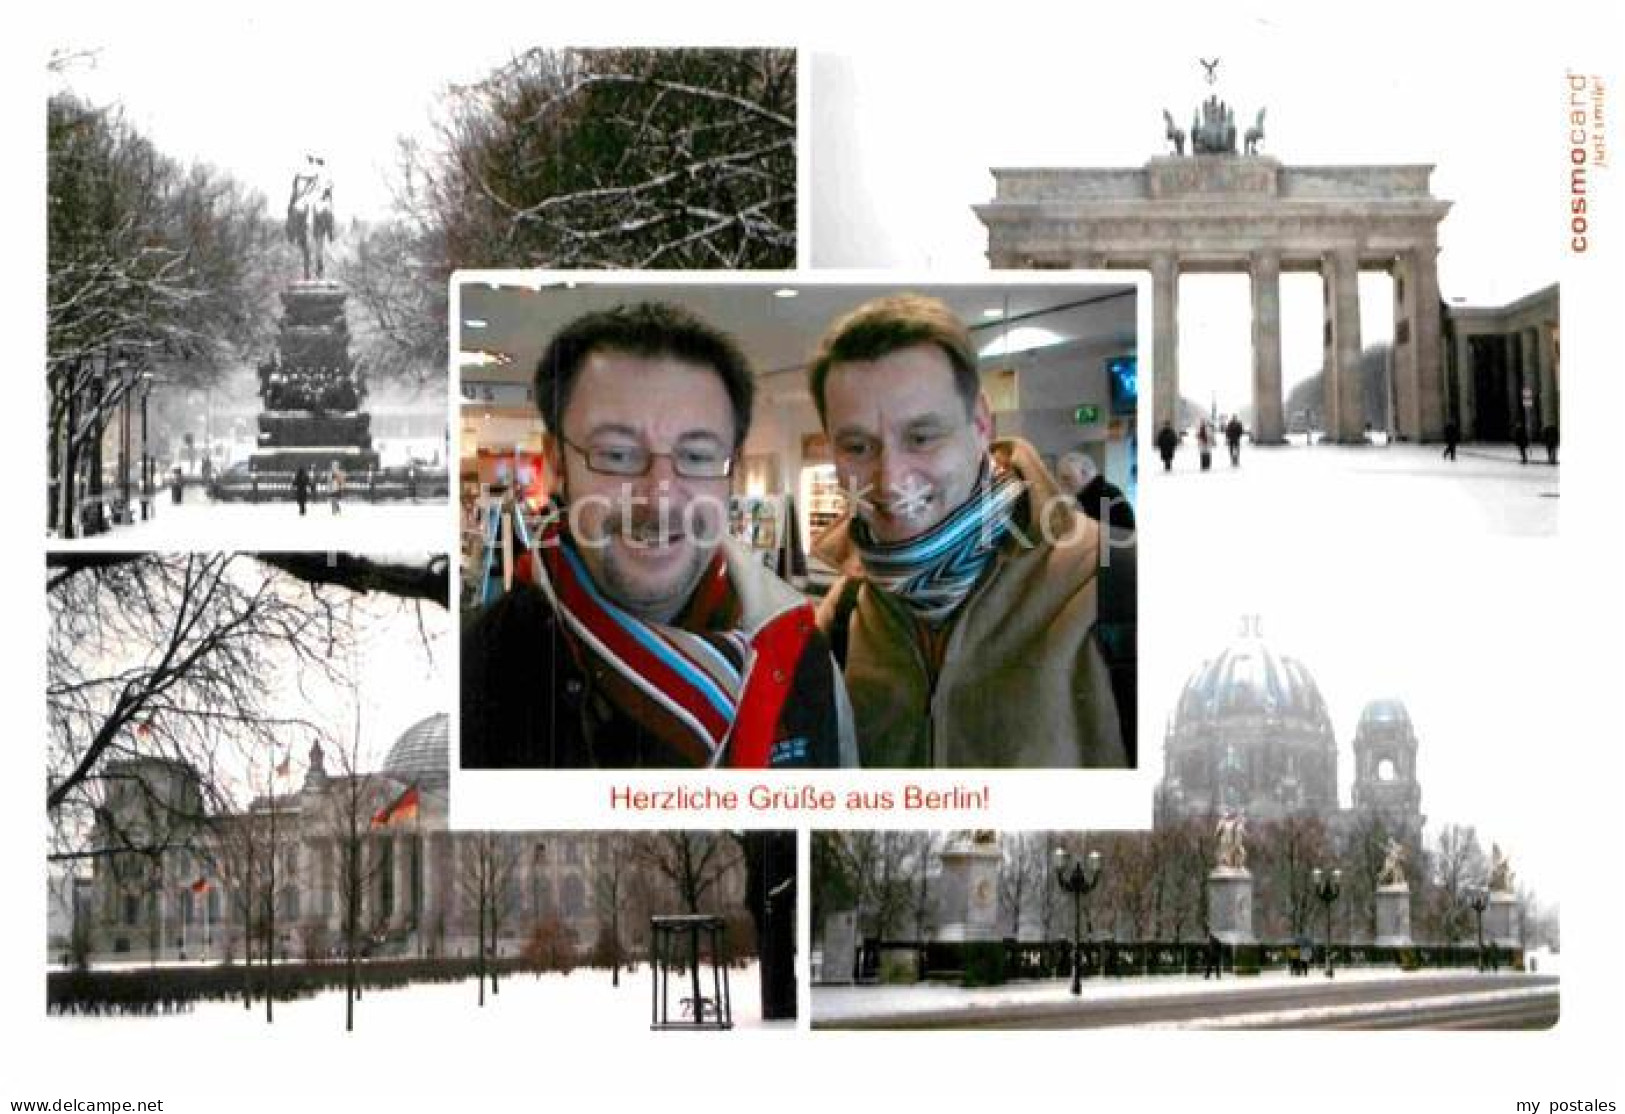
x=1152 y=884
x=163 y=272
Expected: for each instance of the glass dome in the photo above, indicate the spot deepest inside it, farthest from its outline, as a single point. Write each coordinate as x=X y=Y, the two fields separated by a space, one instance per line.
x=421 y=756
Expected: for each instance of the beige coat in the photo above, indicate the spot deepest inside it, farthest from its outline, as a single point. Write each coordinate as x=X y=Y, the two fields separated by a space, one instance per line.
x=1022 y=684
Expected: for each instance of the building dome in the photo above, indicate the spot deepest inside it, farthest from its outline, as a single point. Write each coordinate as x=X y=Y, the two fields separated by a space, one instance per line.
x=1385 y=713
x=1251 y=732
x=422 y=755
x=1249 y=677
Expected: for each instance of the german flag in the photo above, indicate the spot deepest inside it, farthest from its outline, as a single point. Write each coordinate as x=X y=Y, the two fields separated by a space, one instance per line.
x=405 y=808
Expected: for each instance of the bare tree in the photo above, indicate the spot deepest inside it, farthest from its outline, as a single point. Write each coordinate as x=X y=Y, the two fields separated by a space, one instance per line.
x=1456 y=866
x=489 y=878
x=614 y=158
x=1022 y=873
x=1289 y=852
x=148 y=263
x=692 y=863
x=611 y=887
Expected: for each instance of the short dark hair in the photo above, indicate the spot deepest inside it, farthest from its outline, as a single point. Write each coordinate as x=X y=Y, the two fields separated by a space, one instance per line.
x=886 y=325
x=645 y=329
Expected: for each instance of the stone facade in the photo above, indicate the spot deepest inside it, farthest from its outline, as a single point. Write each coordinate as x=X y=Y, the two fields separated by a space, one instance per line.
x=194 y=898
x=1498 y=353
x=1251 y=214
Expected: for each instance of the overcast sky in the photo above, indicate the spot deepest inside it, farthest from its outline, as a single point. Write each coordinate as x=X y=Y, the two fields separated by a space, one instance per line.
x=262 y=91
x=903 y=141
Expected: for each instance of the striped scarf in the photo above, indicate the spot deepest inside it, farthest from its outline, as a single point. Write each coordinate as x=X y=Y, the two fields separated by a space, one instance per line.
x=716 y=697
x=934 y=572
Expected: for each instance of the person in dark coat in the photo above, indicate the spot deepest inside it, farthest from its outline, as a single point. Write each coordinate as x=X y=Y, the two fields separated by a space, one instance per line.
x=1452 y=437
x=1167 y=444
x=1520 y=438
x=301 y=488
x=1215 y=951
x=1548 y=437
x=1204 y=445
x=1232 y=439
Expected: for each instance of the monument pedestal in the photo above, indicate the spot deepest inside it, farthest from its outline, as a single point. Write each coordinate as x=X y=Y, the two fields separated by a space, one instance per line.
x=1394 y=916
x=840 y=948
x=1501 y=920
x=969 y=906
x=312 y=390
x=1230 y=905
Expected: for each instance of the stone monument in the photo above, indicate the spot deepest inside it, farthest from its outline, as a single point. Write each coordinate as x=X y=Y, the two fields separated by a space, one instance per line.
x=840 y=947
x=310 y=387
x=1230 y=884
x=1501 y=917
x=969 y=902
x=1393 y=900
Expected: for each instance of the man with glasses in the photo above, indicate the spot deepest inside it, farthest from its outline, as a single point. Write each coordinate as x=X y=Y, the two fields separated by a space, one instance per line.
x=638 y=634
x=965 y=615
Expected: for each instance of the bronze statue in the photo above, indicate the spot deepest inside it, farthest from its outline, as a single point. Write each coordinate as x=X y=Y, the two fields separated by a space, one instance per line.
x=310 y=212
x=1174 y=135
x=1255 y=134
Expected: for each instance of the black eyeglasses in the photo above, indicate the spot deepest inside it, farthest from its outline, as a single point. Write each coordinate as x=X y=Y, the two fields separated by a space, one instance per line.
x=693 y=462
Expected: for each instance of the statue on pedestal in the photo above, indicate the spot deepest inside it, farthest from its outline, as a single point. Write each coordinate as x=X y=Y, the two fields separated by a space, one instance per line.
x=1500 y=871
x=1393 y=865
x=310 y=212
x=1230 y=837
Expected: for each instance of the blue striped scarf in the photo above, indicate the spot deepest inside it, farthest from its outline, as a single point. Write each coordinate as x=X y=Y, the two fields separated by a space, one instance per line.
x=934 y=572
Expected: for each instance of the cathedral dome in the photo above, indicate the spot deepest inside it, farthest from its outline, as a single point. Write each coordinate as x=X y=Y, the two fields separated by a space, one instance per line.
x=1249 y=677
x=421 y=756
x=1250 y=732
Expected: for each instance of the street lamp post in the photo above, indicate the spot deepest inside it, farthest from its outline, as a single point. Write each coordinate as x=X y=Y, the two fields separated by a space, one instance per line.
x=1077 y=877
x=1328 y=885
x=146 y=449
x=1479 y=899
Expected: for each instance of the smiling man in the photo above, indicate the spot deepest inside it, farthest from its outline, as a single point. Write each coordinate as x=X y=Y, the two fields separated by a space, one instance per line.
x=964 y=617
x=637 y=632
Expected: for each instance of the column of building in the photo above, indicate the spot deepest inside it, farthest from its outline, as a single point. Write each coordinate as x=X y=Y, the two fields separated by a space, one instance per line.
x=1530 y=354
x=1268 y=428
x=1344 y=396
x=1550 y=406
x=1427 y=342
x=1165 y=338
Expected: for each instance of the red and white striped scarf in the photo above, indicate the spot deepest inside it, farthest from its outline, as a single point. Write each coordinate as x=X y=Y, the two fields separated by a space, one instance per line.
x=710 y=691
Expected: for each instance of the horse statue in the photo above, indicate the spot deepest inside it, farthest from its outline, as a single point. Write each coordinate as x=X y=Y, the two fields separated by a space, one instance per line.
x=1255 y=134
x=310 y=213
x=1173 y=135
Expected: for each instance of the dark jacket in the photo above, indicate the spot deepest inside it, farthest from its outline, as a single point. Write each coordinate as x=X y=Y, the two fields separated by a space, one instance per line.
x=529 y=700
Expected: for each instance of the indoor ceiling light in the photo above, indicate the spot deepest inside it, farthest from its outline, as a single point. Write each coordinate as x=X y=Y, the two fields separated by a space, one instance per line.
x=1024 y=338
x=785 y=292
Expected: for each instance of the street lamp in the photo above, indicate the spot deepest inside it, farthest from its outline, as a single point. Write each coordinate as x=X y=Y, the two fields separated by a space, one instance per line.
x=1077 y=877
x=1327 y=888
x=1479 y=899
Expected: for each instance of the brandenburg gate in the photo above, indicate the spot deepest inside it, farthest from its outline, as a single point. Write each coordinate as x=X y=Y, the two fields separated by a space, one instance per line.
x=1216 y=210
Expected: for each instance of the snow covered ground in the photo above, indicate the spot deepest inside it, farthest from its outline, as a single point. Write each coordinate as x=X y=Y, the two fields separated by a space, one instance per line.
x=1399 y=492
x=201 y=524
x=832 y=1005
x=582 y=1003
